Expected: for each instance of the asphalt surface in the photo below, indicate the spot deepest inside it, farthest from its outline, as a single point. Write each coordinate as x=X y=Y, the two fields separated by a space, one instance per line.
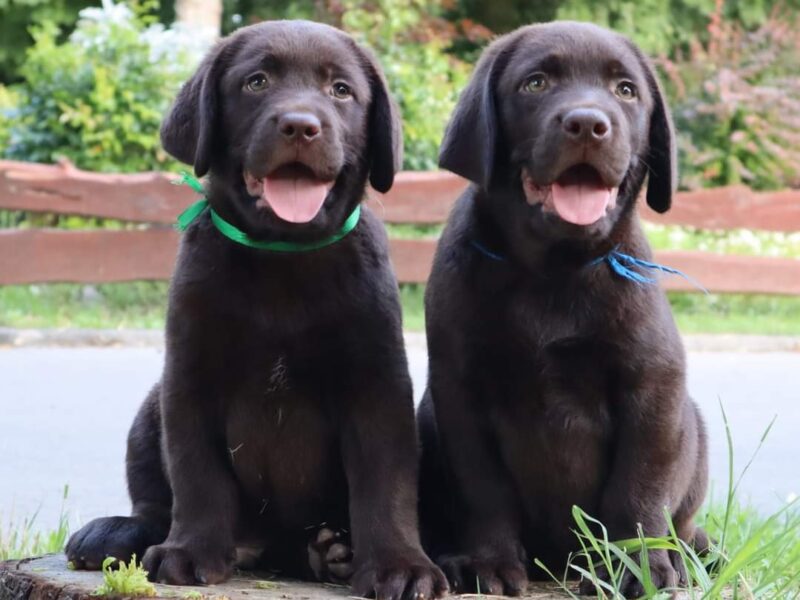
x=64 y=415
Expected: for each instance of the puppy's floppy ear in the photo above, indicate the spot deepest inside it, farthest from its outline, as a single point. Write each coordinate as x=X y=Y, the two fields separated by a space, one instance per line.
x=470 y=140
x=662 y=156
x=187 y=132
x=384 y=128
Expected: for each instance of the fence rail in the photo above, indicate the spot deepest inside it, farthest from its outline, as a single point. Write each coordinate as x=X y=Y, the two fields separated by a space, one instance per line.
x=95 y=256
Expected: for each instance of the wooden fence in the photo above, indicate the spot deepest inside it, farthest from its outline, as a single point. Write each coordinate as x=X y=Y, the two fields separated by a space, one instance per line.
x=150 y=199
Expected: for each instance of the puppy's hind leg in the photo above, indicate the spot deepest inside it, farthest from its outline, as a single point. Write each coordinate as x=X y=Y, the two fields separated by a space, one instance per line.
x=151 y=499
x=436 y=510
x=683 y=519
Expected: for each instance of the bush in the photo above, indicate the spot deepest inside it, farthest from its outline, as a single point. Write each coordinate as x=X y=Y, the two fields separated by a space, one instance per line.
x=16 y=19
x=98 y=98
x=659 y=27
x=736 y=104
x=424 y=80
x=9 y=101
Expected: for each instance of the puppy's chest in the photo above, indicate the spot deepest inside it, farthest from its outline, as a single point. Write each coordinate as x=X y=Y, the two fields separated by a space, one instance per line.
x=281 y=432
x=561 y=369
x=554 y=419
x=559 y=390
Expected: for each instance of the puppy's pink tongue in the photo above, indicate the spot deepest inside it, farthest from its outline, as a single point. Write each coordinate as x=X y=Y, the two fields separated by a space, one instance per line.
x=295 y=199
x=580 y=204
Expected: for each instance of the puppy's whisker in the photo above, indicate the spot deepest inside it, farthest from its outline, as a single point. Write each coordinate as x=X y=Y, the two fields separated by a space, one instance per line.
x=377 y=200
x=645 y=163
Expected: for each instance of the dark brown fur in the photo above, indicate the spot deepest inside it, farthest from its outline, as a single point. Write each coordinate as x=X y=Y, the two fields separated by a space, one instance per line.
x=285 y=403
x=553 y=382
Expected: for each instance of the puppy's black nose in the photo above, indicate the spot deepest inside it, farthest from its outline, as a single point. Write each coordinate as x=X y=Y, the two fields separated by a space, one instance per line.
x=586 y=124
x=299 y=126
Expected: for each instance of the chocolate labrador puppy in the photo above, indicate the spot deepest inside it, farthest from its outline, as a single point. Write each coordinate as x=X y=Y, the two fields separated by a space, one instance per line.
x=554 y=379
x=285 y=404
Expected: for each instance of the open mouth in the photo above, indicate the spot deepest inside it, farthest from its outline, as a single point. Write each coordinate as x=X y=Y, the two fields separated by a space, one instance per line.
x=293 y=192
x=579 y=195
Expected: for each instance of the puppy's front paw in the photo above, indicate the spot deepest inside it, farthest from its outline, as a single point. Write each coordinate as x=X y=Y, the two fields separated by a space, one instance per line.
x=404 y=578
x=494 y=576
x=189 y=564
x=662 y=573
x=120 y=537
x=330 y=556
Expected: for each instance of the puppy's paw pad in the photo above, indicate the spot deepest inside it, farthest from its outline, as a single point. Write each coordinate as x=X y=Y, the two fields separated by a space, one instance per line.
x=501 y=578
x=183 y=565
x=330 y=556
x=417 y=579
x=495 y=577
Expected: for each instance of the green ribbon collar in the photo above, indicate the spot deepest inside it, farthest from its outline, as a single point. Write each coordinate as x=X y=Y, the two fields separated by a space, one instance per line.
x=240 y=237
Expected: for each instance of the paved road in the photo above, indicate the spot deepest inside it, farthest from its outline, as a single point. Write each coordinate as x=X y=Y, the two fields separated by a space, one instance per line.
x=64 y=414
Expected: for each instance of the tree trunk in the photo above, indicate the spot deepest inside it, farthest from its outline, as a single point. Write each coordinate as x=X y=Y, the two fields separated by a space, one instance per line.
x=203 y=15
x=48 y=578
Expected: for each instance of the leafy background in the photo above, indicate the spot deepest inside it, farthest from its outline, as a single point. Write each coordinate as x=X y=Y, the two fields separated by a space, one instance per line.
x=93 y=88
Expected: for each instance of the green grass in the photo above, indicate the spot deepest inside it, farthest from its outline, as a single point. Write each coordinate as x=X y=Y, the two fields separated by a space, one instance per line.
x=412 y=296
x=142 y=305
x=733 y=241
x=134 y=305
x=759 y=559
x=736 y=313
x=414 y=232
x=752 y=557
x=21 y=538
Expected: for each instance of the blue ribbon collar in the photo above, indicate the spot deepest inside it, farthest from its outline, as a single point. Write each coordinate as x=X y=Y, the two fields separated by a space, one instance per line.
x=623 y=265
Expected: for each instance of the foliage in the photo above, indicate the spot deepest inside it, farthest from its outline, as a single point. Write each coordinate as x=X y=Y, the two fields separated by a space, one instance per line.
x=736 y=104
x=657 y=26
x=424 y=80
x=120 y=579
x=237 y=13
x=9 y=100
x=98 y=98
x=21 y=539
x=666 y=27
x=734 y=80
x=16 y=19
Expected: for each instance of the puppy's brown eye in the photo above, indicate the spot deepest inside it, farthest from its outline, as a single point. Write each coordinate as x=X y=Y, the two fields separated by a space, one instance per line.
x=341 y=90
x=535 y=83
x=626 y=90
x=257 y=82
